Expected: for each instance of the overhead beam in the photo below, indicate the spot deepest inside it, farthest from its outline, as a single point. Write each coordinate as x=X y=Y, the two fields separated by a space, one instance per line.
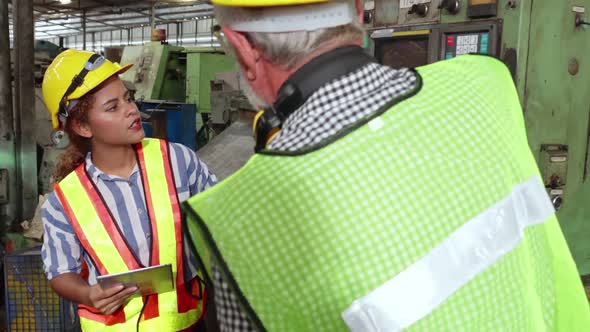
x=58 y=25
x=138 y=11
x=80 y=7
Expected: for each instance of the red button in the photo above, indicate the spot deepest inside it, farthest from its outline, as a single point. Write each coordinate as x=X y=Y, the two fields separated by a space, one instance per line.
x=450 y=41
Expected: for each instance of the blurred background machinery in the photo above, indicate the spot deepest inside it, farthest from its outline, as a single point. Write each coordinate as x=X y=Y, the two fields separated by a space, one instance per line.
x=167 y=78
x=545 y=45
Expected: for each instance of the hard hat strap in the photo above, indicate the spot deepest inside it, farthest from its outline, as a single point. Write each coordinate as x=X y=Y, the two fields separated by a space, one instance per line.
x=94 y=62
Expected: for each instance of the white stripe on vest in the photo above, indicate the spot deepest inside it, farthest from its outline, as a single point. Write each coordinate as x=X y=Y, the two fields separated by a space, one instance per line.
x=475 y=246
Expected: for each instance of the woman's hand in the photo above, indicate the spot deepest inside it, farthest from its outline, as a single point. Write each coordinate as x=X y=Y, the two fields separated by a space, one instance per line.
x=106 y=300
x=109 y=300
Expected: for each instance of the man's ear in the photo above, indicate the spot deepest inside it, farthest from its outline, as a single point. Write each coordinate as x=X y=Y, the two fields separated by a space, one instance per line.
x=246 y=54
x=82 y=129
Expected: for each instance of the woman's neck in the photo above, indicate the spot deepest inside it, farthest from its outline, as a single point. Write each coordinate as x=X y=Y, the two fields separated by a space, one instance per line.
x=114 y=160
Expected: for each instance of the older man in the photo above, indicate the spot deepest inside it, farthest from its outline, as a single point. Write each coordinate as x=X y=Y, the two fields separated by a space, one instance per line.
x=379 y=199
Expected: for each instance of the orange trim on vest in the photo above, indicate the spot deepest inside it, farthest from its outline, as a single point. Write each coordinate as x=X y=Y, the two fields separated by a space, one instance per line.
x=108 y=320
x=152 y=309
x=105 y=217
x=76 y=226
x=185 y=301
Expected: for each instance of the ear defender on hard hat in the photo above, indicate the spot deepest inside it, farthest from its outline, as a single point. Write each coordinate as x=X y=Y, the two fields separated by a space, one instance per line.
x=70 y=76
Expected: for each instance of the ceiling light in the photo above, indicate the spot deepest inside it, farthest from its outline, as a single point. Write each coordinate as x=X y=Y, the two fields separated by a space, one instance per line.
x=65 y=2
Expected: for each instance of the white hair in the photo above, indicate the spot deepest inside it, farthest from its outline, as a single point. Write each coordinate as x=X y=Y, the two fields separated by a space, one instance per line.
x=287 y=49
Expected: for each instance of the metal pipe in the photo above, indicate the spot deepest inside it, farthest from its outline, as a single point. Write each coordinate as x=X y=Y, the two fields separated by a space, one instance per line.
x=84 y=30
x=7 y=147
x=24 y=115
x=153 y=17
x=5 y=76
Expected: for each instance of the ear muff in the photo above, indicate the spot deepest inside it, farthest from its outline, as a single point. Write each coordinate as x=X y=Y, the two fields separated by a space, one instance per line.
x=301 y=85
x=266 y=126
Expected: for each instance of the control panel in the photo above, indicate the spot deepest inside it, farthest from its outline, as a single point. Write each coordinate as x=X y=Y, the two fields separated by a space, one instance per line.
x=465 y=43
x=553 y=164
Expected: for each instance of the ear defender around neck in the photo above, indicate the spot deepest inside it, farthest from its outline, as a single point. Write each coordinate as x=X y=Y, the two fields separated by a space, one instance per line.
x=301 y=85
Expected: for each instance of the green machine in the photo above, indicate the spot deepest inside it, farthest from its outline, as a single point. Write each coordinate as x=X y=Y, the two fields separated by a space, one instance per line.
x=159 y=71
x=203 y=64
x=165 y=73
x=546 y=46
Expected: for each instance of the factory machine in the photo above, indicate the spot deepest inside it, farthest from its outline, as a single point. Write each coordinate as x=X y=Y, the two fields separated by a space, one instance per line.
x=546 y=46
x=203 y=64
x=159 y=71
x=169 y=79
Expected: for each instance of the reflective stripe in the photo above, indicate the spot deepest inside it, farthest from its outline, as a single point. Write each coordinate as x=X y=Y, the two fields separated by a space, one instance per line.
x=165 y=218
x=478 y=244
x=90 y=321
x=88 y=215
x=177 y=322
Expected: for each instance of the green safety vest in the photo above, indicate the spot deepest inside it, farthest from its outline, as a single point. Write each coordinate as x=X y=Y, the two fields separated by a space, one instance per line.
x=428 y=216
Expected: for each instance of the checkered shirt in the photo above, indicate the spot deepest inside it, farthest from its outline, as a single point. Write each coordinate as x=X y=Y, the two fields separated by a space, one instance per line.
x=333 y=107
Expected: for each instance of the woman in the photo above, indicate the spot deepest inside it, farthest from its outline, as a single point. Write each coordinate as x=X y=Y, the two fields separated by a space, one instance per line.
x=116 y=203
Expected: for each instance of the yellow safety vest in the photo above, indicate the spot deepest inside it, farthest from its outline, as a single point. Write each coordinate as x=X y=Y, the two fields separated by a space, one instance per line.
x=101 y=238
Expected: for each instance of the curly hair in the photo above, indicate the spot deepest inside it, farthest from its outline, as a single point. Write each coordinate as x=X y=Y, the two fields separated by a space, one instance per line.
x=79 y=146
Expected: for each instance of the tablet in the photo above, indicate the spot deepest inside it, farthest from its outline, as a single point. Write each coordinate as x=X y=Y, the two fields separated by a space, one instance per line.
x=149 y=280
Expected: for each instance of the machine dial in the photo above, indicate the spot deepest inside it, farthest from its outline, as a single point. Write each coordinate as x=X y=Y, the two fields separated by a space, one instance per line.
x=452 y=6
x=59 y=139
x=419 y=9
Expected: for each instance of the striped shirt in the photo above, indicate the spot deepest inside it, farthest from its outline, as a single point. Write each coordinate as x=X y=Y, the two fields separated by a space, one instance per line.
x=125 y=199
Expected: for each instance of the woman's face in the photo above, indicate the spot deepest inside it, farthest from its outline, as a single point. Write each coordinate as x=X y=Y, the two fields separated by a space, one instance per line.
x=114 y=117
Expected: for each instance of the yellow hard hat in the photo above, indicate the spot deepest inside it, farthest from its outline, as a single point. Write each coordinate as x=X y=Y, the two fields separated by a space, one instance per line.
x=71 y=75
x=263 y=3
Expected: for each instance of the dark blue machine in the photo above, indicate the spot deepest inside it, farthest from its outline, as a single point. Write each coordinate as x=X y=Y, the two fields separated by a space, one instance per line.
x=173 y=121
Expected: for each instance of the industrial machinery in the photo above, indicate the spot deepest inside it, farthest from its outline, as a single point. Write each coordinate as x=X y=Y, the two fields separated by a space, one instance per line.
x=159 y=71
x=545 y=45
x=227 y=99
x=175 y=77
x=202 y=64
x=173 y=121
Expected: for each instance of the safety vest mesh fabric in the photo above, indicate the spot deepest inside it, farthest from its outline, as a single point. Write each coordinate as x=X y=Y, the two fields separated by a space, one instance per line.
x=303 y=235
x=99 y=235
